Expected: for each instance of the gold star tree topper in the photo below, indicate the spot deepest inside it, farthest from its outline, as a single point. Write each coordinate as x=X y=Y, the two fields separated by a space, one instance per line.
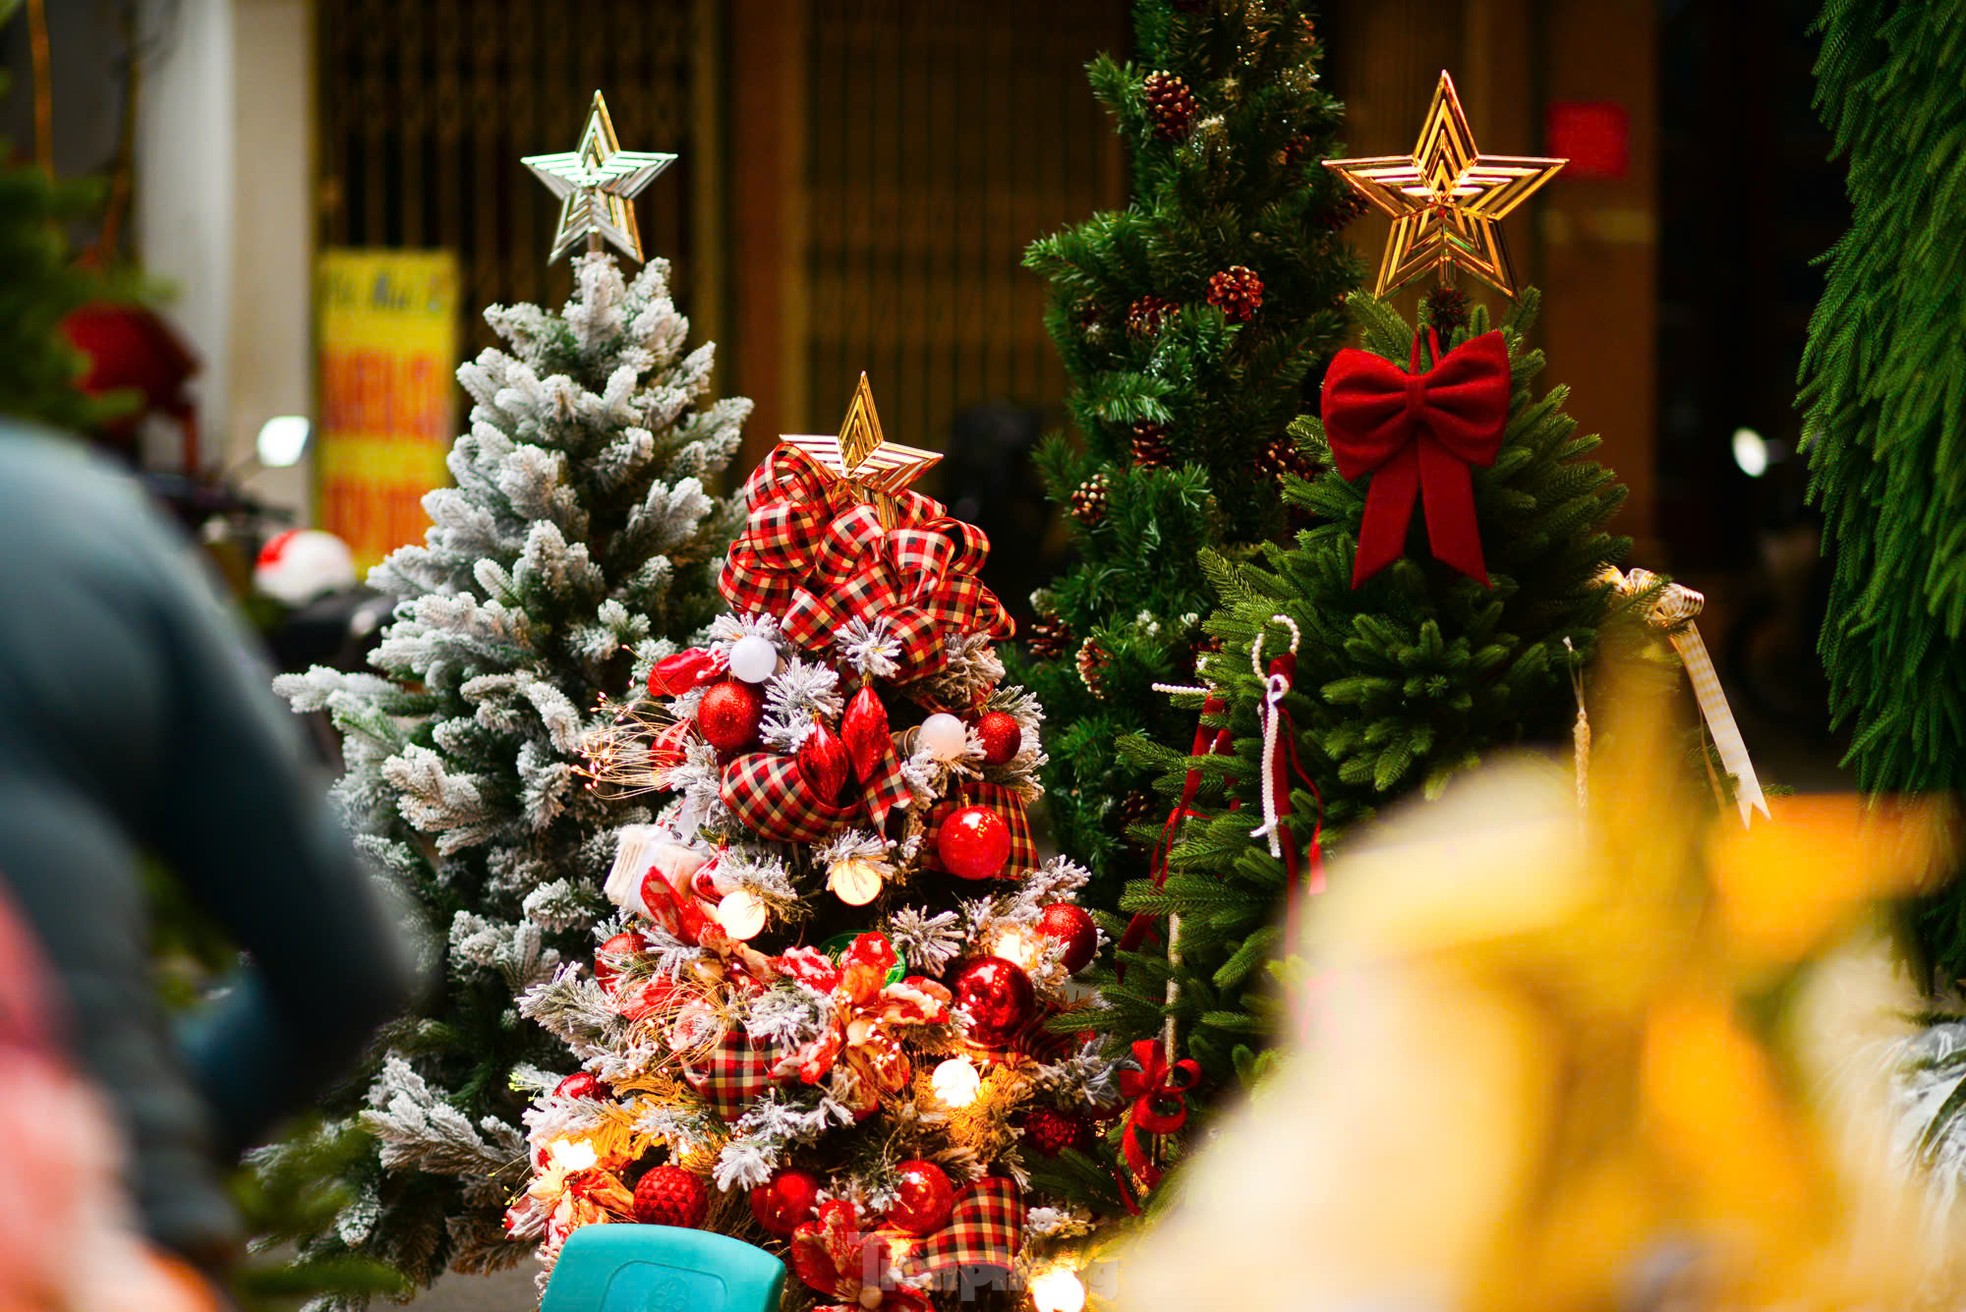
x=1446 y=199
x=875 y=469
x=596 y=182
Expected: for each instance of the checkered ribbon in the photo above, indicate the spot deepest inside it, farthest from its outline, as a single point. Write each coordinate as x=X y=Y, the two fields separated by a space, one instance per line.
x=985 y=1229
x=1671 y=611
x=1005 y=802
x=815 y=558
x=732 y=1075
x=766 y=791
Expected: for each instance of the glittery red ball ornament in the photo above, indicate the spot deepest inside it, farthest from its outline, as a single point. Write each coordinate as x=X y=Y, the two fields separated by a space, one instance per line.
x=924 y=1198
x=974 y=842
x=1002 y=737
x=1051 y=1131
x=1071 y=925
x=729 y=714
x=581 y=1084
x=994 y=998
x=669 y=1195
x=625 y=944
x=785 y=1201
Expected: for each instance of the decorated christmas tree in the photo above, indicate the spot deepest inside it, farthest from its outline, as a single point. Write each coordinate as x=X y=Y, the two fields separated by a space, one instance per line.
x=827 y=1011
x=1879 y=382
x=579 y=542
x=1194 y=325
x=1355 y=666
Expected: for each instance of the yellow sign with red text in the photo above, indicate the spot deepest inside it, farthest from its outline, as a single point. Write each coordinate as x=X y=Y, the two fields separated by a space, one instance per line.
x=388 y=343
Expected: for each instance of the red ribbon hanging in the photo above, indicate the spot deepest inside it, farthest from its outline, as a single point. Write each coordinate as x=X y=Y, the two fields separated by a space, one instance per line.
x=1417 y=434
x=1159 y=1091
x=814 y=557
x=1208 y=742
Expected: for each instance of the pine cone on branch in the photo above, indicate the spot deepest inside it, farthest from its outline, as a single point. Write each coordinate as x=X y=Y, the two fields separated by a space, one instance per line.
x=1089 y=500
x=1093 y=661
x=1170 y=105
x=1047 y=637
x=1237 y=292
x=1150 y=446
x=1144 y=316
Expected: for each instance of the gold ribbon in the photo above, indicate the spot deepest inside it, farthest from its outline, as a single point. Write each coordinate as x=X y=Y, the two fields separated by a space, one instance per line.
x=1671 y=611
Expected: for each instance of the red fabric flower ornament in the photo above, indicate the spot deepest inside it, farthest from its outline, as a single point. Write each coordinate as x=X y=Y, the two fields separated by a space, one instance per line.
x=863 y=1271
x=1417 y=434
x=867 y=1012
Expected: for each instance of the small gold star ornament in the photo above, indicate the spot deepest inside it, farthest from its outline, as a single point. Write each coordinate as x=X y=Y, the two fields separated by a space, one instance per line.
x=874 y=468
x=596 y=182
x=1446 y=199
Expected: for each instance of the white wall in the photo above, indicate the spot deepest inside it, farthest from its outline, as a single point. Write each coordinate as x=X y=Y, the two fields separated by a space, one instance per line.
x=224 y=211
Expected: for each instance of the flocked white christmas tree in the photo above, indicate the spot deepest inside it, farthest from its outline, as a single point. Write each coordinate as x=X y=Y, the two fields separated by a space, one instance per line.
x=579 y=543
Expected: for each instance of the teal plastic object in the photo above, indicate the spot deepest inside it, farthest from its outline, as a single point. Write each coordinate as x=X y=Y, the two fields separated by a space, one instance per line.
x=661 y=1268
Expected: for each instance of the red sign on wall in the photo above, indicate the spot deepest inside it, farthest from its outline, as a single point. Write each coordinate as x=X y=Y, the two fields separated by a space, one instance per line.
x=1594 y=135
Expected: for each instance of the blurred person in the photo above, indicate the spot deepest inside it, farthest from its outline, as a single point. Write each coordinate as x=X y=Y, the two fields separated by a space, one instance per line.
x=134 y=723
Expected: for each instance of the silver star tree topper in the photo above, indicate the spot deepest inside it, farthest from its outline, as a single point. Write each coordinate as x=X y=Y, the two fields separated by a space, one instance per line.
x=596 y=182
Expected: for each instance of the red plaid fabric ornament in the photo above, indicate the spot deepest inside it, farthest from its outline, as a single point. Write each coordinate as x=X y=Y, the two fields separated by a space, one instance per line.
x=888 y=790
x=1006 y=803
x=986 y=1228
x=815 y=559
x=732 y=1075
x=769 y=795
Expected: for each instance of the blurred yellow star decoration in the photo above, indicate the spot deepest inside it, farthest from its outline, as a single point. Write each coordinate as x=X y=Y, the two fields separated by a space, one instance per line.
x=1629 y=1057
x=1446 y=199
x=596 y=183
x=875 y=469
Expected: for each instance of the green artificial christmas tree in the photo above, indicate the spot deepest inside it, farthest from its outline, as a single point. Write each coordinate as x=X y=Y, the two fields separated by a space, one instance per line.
x=1194 y=324
x=1881 y=383
x=579 y=543
x=1399 y=682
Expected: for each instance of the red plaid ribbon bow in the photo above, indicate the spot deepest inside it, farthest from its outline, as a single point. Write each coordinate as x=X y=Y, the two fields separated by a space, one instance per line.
x=1159 y=1090
x=1416 y=434
x=812 y=556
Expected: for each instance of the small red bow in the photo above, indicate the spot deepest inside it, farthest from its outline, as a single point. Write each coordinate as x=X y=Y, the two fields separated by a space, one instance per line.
x=1159 y=1090
x=1417 y=434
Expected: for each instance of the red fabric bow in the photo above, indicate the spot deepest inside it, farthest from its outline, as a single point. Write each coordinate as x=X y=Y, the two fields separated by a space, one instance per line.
x=815 y=558
x=1417 y=434
x=1159 y=1090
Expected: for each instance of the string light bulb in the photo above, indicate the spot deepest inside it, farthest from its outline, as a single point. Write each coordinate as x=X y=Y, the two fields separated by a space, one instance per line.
x=956 y=1082
x=1018 y=944
x=1058 y=1290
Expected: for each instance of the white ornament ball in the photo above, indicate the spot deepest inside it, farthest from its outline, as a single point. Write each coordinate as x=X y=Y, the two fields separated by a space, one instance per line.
x=943 y=736
x=753 y=659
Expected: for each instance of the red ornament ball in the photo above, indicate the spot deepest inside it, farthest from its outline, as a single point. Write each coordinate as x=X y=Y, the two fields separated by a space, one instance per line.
x=925 y=1198
x=625 y=944
x=974 y=843
x=729 y=714
x=1071 y=925
x=786 y=1201
x=581 y=1084
x=669 y=1195
x=1002 y=737
x=994 y=998
x=1051 y=1131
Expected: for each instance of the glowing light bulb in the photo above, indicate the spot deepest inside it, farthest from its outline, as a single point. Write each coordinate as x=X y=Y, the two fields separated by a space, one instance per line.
x=573 y=1154
x=1058 y=1290
x=956 y=1082
x=1018 y=945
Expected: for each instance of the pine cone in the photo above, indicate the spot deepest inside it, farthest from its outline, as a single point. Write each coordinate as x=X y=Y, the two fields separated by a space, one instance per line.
x=1237 y=292
x=1170 y=105
x=1136 y=807
x=1143 y=317
x=1087 y=311
x=1047 y=638
x=1150 y=446
x=1092 y=662
x=1344 y=209
x=1296 y=148
x=1051 y=1131
x=1089 y=500
x=1280 y=456
x=1447 y=309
